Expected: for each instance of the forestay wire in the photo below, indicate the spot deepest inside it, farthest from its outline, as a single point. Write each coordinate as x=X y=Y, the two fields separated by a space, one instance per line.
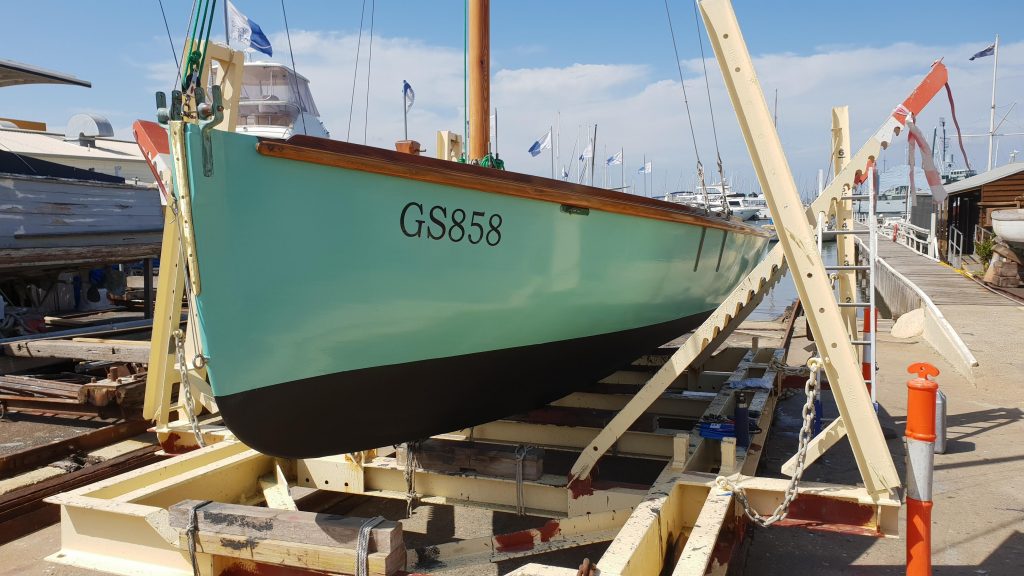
x=689 y=117
x=355 y=73
x=711 y=109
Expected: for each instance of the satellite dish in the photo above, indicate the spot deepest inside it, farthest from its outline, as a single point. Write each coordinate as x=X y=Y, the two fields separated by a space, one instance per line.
x=86 y=128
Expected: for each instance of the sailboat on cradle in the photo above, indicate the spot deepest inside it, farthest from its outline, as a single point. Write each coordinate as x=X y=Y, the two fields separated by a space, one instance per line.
x=397 y=296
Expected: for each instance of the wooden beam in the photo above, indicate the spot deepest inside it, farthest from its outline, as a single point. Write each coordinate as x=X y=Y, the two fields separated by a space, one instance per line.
x=122 y=351
x=841 y=361
x=289 y=538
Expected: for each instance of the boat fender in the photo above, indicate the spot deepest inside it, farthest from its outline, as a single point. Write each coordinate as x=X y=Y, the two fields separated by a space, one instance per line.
x=895 y=231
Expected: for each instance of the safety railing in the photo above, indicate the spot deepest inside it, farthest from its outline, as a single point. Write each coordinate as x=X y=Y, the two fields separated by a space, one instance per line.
x=914 y=237
x=955 y=247
x=980 y=235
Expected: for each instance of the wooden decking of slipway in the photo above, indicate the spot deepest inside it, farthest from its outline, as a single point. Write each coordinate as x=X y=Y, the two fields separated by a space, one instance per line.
x=989 y=324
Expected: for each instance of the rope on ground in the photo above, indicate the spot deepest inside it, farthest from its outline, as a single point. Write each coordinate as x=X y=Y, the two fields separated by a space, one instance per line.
x=410 y=477
x=363 y=545
x=191 y=531
x=521 y=451
x=787 y=370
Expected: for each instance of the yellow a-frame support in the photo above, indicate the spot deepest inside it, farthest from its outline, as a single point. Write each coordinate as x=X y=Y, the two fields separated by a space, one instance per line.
x=175 y=435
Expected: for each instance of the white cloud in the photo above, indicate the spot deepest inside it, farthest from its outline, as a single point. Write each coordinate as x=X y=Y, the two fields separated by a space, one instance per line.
x=644 y=114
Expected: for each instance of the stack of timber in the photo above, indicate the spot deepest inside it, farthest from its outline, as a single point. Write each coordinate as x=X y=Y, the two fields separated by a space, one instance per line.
x=316 y=541
x=118 y=395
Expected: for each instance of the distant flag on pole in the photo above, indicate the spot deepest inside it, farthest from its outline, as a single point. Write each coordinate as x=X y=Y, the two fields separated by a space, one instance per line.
x=986 y=52
x=614 y=159
x=588 y=153
x=646 y=168
x=410 y=96
x=565 y=172
x=544 y=143
x=246 y=32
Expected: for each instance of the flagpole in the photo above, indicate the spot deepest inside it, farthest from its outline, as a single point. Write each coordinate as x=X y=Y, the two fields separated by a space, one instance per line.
x=643 y=171
x=558 y=143
x=593 y=155
x=551 y=149
x=405 y=112
x=227 y=29
x=605 y=165
x=992 y=111
x=622 y=168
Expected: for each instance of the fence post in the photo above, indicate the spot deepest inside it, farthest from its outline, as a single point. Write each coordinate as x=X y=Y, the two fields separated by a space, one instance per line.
x=920 y=445
x=933 y=239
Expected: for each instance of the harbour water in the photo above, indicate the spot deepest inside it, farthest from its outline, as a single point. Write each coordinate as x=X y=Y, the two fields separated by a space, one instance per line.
x=775 y=302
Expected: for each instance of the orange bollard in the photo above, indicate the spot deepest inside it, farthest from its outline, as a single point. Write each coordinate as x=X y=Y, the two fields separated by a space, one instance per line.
x=920 y=443
x=867 y=354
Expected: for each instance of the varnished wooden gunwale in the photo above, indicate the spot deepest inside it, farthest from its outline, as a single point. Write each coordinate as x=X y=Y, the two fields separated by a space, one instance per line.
x=386 y=162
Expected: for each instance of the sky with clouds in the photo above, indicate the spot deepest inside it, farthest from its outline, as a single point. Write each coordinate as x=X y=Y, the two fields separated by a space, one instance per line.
x=567 y=64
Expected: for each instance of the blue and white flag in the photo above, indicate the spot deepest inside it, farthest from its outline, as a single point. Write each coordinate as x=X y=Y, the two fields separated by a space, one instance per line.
x=565 y=172
x=646 y=168
x=588 y=153
x=410 y=96
x=986 y=52
x=246 y=32
x=614 y=159
x=544 y=143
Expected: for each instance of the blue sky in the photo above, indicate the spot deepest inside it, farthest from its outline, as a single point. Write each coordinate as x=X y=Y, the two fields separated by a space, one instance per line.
x=618 y=56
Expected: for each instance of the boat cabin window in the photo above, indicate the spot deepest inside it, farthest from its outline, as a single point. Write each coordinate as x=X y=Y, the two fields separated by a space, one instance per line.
x=273 y=96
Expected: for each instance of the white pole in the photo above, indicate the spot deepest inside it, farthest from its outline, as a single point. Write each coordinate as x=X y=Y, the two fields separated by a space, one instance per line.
x=872 y=258
x=992 y=111
x=551 y=150
x=558 y=143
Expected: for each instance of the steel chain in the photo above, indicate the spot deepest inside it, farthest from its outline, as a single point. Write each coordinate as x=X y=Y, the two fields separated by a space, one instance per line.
x=810 y=389
x=186 y=386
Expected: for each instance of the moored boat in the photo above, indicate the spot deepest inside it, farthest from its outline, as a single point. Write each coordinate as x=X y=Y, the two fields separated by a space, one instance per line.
x=350 y=297
x=435 y=295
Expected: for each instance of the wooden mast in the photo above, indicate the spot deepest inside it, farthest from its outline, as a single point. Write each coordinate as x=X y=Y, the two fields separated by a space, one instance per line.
x=479 y=77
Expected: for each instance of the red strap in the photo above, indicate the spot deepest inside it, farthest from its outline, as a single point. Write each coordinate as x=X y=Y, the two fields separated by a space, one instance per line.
x=959 y=136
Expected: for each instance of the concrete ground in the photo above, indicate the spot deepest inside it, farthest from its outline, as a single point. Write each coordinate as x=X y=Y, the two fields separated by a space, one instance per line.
x=979 y=491
x=978 y=517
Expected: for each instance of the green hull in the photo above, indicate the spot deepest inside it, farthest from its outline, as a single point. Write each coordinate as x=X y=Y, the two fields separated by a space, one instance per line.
x=310 y=270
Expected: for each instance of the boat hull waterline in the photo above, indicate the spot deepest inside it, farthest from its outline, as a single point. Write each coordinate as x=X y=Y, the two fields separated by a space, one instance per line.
x=370 y=302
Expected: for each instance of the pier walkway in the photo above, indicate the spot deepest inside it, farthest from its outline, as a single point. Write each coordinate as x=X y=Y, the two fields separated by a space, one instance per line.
x=990 y=325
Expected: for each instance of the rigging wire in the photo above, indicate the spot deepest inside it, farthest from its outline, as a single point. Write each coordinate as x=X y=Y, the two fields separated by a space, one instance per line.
x=177 y=77
x=174 y=53
x=689 y=118
x=295 y=72
x=707 y=86
x=369 y=68
x=355 y=73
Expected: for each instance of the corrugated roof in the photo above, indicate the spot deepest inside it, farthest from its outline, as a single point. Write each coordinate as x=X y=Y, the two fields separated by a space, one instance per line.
x=49 y=144
x=985 y=178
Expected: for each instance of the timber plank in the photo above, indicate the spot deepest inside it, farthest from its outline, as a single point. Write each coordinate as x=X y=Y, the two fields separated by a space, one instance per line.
x=289 y=526
x=122 y=351
x=437 y=455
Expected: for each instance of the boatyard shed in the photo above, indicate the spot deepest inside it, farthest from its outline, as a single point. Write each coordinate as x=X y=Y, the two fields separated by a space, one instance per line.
x=971 y=201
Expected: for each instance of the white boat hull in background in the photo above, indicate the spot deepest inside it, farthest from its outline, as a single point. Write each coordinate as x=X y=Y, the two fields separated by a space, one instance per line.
x=1009 y=224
